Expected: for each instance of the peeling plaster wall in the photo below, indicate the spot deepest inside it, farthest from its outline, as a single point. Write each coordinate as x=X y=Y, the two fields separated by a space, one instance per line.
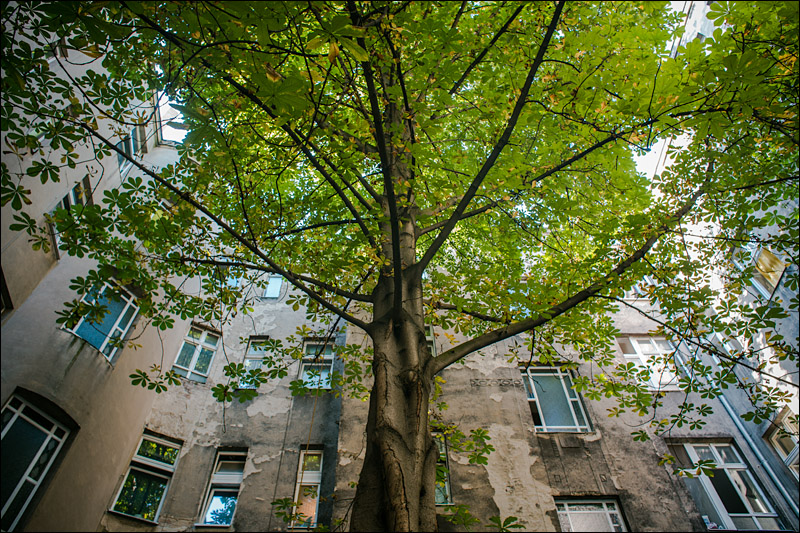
x=273 y=427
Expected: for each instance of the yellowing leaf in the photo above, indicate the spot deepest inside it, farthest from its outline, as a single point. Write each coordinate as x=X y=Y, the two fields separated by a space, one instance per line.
x=333 y=52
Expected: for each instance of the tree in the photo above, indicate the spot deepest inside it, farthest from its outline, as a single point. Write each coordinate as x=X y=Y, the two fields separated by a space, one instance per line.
x=467 y=165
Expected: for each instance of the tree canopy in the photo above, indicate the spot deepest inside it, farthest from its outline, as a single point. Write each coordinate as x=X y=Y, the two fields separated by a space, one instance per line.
x=463 y=164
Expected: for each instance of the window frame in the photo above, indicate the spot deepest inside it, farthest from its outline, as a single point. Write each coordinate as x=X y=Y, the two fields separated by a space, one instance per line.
x=126 y=144
x=566 y=512
x=149 y=466
x=130 y=301
x=308 y=478
x=643 y=360
x=324 y=362
x=274 y=287
x=783 y=429
x=725 y=467
x=250 y=356
x=443 y=460
x=572 y=397
x=198 y=344
x=226 y=482
x=17 y=406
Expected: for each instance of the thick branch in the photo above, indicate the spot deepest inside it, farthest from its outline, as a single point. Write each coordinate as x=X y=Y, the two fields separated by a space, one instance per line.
x=454 y=354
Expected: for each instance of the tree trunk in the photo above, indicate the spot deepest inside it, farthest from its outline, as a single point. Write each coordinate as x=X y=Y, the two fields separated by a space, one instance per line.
x=396 y=488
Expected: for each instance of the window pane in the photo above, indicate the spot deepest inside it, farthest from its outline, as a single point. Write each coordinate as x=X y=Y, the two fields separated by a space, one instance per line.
x=195 y=333
x=770 y=267
x=274 y=287
x=312 y=462
x=204 y=361
x=552 y=401
x=728 y=454
x=704 y=453
x=96 y=333
x=17 y=506
x=727 y=493
x=307 y=504
x=784 y=444
x=44 y=460
x=316 y=350
x=127 y=317
x=221 y=507
x=626 y=346
x=185 y=357
x=159 y=452
x=746 y=486
x=141 y=495
x=211 y=339
x=19 y=447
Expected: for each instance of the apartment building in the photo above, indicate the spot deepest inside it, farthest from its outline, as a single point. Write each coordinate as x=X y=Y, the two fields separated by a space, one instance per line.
x=85 y=450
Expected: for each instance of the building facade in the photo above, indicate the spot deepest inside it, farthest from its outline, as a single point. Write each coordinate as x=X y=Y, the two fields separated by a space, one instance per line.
x=85 y=450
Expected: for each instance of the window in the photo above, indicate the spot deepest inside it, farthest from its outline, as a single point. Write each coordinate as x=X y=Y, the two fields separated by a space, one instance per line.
x=196 y=355
x=731 y=499
x=147 y=479
x=306 y=493
x=654 y=355
x=316 y=366
x=223 y=491
x=430 y=339
x=589 y=515
x=639 y=289
x=30 y=443
x=80 y=194
x=55 y=49
x=768 y=268
x=126 y=146
x=443 y=495
x=273 y=289
x=106 y=335
x=253 y=358
x=554 y=404
x=783 y=440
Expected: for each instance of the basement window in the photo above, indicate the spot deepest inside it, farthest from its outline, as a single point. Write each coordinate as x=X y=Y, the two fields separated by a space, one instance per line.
x=589 y=515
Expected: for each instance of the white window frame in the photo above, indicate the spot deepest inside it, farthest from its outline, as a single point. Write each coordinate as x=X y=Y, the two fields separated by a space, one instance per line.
x=724 y=468
x=223 y=482
x=153 y=467
x=430 y=339
x=127 y=146
x=307 y=478
x=253 y=358
x=19 y=409
x=572 y=398
x=190 y=371
x=274 y=286
x=566 y=509
x=324 y=362
x=785 y=430
x=661 y=379
x=110 y=351
x=443 y=459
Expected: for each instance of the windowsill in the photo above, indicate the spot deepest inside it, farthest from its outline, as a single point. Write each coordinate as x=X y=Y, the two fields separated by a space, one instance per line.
x=570 y=431
x=214 y=526
x=136 y=518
